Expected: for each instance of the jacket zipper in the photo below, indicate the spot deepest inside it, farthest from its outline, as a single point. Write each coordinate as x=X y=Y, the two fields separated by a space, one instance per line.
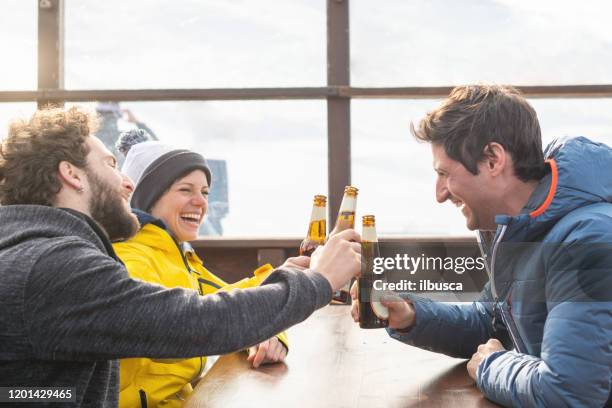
x=183 y=257
x=494 y=253
x=191 y=271
x=143 y=398
x=507 y=321
x=496 y=243
x=511 y=326
x=482 y=240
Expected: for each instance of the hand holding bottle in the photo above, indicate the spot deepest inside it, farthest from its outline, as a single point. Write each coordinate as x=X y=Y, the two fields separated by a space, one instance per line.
x=339 y=259
x=298 y=262
x=401 y=312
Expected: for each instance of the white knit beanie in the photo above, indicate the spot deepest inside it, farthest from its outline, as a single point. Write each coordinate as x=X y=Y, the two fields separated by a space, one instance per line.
x=153 y=166
x=141 y=155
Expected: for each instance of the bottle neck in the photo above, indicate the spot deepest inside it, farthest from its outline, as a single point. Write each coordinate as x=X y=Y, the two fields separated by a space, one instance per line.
x=368 y=234
x=346 y=215
x=348 y=204
x=317 y=228
x=318 y=213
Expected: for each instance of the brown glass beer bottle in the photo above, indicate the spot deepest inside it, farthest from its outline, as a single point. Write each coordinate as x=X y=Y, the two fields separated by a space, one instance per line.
x=372 y=314
x=345 y=220
x=317 y=228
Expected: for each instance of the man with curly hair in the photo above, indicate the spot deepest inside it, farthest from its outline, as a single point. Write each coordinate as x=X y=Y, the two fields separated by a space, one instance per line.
x=68 y=308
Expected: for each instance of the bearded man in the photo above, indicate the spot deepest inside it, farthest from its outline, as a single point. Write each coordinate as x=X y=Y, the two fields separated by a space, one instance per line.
x=68 y=308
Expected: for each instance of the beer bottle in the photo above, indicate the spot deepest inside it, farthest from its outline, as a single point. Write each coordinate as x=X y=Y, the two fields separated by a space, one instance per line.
x=372 y=314
x=317 y=228
x=345 y=220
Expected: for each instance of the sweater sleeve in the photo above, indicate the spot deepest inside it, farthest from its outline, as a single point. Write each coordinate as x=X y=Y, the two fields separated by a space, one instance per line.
x=82 y=305
x=259 y=275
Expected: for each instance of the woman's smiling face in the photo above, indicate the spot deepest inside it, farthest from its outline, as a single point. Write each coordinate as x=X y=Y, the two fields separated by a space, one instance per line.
x=183 y=207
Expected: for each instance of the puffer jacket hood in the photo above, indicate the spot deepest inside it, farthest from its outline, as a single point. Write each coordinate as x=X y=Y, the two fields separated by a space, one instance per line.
x=579 y=175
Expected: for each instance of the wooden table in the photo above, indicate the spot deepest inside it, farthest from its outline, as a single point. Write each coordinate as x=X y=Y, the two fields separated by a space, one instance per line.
x=334 y=363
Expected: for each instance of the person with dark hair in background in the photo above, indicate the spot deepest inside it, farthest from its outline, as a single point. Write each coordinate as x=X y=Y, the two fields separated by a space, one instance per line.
x=108 y=128
x=108 y=132
x=68 y=308
x=170 y=198
x=541 y=334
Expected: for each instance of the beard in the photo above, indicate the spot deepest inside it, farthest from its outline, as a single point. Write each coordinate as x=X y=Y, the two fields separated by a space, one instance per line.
x=108 y=210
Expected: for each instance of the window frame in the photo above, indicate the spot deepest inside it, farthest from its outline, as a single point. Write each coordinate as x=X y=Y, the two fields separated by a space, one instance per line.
x=338 y=93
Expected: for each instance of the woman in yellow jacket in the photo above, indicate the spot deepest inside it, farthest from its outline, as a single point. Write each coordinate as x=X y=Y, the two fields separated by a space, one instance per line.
x=170 y=200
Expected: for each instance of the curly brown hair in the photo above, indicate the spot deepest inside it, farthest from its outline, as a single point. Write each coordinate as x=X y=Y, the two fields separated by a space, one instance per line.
x=31 y=153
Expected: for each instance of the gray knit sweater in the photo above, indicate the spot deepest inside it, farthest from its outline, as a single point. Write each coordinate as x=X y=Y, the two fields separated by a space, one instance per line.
x=69 y=310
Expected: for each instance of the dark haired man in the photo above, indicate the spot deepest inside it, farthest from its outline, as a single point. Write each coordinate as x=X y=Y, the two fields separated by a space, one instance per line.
x=68 y=308
x=549 y=297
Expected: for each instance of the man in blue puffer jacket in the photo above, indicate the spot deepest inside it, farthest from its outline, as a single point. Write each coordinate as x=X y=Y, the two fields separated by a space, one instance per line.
x=541 y=333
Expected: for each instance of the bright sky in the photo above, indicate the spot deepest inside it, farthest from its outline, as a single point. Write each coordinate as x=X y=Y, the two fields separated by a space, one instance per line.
x=276 y=151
